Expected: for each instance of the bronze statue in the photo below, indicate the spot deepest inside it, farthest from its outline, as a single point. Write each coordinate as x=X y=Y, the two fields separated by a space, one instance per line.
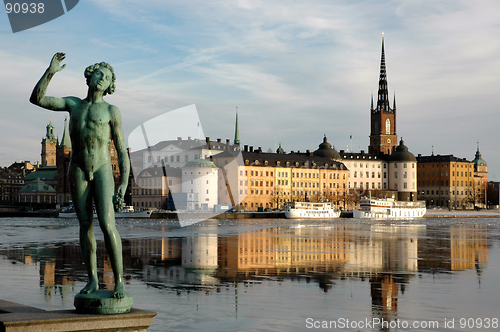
x=93 y=125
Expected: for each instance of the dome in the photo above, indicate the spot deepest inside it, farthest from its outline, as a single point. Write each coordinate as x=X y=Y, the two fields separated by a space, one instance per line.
x=402 y=153
x=326 y=151
x=478 y=161
x=199 y=163
x=37 y=186
x=280 y=150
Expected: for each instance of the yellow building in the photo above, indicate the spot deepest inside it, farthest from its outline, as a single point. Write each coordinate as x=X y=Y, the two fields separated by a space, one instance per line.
x=446 y=181
x=269 y=180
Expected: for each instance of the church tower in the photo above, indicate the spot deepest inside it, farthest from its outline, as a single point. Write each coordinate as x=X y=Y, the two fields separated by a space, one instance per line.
x=383 y=137
x=49 y=145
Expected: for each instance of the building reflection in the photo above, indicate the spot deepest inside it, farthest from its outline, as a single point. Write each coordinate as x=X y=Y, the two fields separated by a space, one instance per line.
x=387 y=256
x=458 y=248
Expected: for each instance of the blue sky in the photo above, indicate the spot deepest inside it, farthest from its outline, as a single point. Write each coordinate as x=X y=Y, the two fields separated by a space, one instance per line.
x=296 y=70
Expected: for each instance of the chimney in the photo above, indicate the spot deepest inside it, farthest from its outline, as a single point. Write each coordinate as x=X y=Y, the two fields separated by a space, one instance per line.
x=251 y=149
x=218 y=140
x=179 y=138
x=260 y=150
x=208 y=142
x=189 y=138
x=245 y=148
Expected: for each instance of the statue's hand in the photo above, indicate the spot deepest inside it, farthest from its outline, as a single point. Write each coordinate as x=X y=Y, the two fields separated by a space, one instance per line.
x=55 y=63
x=118 y=200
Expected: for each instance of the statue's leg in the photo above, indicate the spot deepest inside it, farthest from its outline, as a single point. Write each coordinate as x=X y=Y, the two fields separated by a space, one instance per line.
x=104 y=191
x=81 y=193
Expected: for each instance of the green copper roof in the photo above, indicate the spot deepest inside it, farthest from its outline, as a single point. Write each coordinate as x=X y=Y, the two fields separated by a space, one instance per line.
x=37 y=186
x=478 y=160
x=199 y=163
x=326 y=150
x=402 y=153
x=66 y=141
x=43 y=172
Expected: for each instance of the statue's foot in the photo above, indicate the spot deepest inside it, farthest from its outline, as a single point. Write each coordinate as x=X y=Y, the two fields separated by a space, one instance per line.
x=91 y=286
x=119 y=292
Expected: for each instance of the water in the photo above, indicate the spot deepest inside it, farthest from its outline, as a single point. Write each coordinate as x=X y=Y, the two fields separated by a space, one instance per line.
x=274 y=275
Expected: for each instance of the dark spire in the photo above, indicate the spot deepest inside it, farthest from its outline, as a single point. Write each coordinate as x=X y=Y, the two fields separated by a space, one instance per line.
x=371 y=108
x=394 y=103
x=237 y=131
x=66 y=140
x=383 y=93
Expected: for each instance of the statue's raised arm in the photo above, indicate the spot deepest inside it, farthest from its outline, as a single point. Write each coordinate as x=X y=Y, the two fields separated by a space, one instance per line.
x=38 y=95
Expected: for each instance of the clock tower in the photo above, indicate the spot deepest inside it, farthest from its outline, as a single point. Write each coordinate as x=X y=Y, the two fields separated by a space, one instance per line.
x=49 y=144
x=383 y=137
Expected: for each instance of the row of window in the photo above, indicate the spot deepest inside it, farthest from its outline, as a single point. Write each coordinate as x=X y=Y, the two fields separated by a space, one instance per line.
x=443 y=183
x=469 y=165
x=294 y=174
x=445 y=173
x=446 y=192
x=174 y=158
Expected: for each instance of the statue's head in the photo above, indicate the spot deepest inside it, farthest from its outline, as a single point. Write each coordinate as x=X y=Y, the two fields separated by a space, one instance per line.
x=89 y=71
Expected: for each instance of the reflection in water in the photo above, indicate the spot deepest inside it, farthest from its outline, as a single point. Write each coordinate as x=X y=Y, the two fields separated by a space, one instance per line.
x=387 y=256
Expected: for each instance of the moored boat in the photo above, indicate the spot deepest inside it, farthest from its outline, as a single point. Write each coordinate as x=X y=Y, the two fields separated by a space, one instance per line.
x=125 y=213
x=388 y=208
x=309 y=210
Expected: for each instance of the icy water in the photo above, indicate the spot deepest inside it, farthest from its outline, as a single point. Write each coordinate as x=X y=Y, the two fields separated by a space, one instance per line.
x=274 y=275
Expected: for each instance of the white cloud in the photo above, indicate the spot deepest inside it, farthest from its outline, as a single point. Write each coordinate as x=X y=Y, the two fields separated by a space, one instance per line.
x=296 y=70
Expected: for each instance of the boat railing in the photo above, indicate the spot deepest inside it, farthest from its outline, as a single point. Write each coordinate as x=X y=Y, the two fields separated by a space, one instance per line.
x=411 y=204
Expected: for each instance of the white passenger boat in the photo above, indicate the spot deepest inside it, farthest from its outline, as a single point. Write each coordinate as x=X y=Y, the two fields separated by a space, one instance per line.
x=388 y=208
x=308 y=210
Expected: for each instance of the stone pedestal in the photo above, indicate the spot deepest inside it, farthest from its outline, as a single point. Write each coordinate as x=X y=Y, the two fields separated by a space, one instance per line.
x=102 y=302
x=16 y=317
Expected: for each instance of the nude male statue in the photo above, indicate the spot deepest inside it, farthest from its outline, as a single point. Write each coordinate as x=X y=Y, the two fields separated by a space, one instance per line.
x=93 y=125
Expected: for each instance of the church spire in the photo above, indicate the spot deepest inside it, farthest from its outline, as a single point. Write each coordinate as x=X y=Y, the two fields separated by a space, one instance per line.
x=394 y=102
x=237 y=131
x=383 y=93
x=66 y=140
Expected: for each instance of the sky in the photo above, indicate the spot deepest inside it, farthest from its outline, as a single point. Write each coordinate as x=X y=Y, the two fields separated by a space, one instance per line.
x=296 y=70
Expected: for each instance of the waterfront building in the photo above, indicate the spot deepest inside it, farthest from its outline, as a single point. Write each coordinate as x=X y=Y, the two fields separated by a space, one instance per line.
x=269 y=180
x=387 y=168
x=446 y=181
x=150 y=188
x=176 y=153
x=12 y=180
x=367 y=171
x=199 y=176
x=403 y=173
x=37 y=192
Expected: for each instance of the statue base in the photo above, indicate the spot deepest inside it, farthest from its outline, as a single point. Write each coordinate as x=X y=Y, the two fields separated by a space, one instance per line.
x=102 y=302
